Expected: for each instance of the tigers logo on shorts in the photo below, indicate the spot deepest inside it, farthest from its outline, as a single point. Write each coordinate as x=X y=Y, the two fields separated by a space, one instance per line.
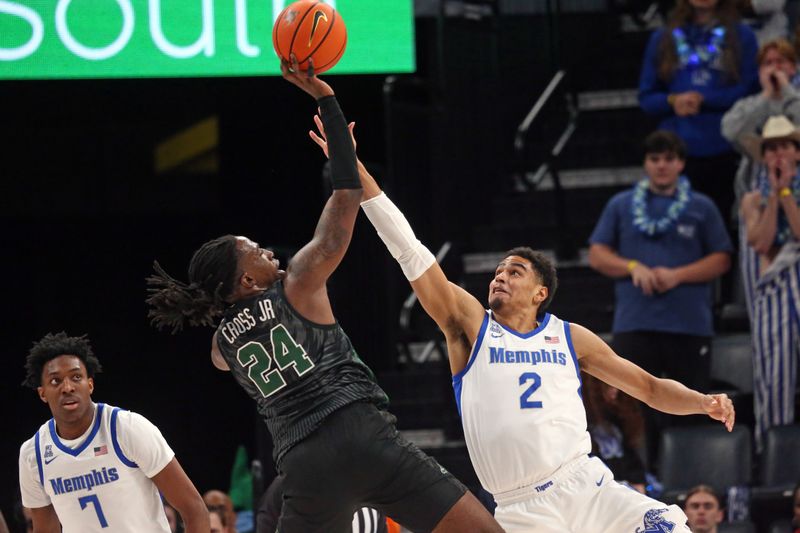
x=655 y=523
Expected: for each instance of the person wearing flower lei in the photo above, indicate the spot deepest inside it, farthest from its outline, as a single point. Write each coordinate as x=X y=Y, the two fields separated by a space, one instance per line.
x=772 y=224
x=664 y=244
x=694 y=70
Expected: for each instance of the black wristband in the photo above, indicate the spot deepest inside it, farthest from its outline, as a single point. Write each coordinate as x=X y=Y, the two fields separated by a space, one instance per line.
x=342 y=155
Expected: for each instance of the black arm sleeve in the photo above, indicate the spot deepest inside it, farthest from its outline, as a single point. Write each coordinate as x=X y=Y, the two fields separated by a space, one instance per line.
x=342 y=155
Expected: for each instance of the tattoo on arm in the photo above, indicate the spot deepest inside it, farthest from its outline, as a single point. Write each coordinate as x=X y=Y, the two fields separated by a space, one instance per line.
x=331 y=236
x=333 y=229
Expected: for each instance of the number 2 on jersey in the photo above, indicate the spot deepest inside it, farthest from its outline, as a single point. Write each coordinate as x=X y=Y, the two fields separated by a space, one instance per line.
x=286 y=352
x=92 y=498
x=524 y=402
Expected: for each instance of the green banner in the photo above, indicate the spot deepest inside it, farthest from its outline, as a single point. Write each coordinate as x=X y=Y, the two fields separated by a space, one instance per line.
x=46 y=39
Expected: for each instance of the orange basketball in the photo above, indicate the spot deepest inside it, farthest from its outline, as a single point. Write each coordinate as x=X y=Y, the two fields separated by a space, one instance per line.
x=310 y=29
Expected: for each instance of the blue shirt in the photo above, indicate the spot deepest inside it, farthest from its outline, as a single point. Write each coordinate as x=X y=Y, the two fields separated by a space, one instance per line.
x=698 y=232
x=701 y=132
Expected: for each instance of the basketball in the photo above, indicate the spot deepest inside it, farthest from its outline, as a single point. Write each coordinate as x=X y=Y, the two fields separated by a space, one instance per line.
x=310 y=30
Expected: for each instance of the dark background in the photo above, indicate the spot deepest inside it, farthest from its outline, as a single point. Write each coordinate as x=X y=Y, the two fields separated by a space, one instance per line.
x=84 y=214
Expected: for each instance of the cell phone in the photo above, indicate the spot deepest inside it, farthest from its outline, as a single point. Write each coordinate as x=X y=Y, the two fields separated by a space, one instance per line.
x=773 y=79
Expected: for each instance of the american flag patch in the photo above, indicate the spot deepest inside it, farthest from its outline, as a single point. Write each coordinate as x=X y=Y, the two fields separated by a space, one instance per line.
x=100 y=450
x=551 y=340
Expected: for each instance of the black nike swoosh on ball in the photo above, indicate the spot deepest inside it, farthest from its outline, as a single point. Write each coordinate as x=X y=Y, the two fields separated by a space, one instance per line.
x=317 y=16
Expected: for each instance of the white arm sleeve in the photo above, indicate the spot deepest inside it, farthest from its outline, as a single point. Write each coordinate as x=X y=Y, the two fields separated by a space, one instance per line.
x=142 y=443
x=33 y=494
x=396 y=233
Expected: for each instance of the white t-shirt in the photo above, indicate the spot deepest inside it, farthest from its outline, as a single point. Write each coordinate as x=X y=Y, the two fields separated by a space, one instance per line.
x=100 y=481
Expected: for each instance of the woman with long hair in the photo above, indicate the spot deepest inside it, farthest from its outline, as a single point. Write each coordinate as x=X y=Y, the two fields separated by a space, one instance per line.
x=695 y=69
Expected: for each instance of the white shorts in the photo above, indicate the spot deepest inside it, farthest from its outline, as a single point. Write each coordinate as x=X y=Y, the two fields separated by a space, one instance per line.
x=582 y=497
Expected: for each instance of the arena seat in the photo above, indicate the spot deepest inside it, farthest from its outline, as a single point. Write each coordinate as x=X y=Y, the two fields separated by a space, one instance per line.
x=778 y=475
x=707 y=454
x=781 y=526
x=740 y=526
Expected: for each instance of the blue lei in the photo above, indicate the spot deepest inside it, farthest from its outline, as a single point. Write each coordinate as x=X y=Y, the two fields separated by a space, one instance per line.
x=700 y=54
x=784 y=232
x=643 y=222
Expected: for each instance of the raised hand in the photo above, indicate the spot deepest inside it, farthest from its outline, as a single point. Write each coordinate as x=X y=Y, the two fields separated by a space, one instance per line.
x=305 y=80
x=788 y=168
x=322 y=141
x=765 y=77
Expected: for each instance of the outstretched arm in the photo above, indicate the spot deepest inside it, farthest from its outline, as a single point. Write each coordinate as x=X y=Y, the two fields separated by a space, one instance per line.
x=311 y=267
x=666 y=395
x=455 y=311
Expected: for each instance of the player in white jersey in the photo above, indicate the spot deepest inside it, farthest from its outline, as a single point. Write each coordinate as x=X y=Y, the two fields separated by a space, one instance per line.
x=517 y=383
x=94 y=467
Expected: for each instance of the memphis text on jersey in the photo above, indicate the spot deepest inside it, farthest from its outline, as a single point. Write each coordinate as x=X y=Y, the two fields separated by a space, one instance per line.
x=501 y=355
x=84 y=482
x=245 y=320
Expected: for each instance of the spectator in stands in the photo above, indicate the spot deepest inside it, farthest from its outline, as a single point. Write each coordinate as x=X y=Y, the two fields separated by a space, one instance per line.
x=796 y=508
x=703 y=509
x=616 y=426
x=664 y=243
x=772 y=224
x=694 y=70
x=216 y=499
x=777 y=73
x=766 y=18
x=217 y=516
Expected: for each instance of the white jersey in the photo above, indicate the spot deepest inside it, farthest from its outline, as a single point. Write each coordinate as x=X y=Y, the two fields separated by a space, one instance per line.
x=100 y=481
x=520 y=403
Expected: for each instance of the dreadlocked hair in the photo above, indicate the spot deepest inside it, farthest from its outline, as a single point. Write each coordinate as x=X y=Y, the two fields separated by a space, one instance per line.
x=212 y=272
x=55 y=345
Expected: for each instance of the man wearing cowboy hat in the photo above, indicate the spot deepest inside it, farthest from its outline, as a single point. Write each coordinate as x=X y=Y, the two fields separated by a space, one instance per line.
x=772 y=225
x=777 y=72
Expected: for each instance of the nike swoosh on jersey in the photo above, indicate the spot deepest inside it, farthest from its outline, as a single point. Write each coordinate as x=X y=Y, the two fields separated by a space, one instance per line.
x=51 y=460
x=598 y=483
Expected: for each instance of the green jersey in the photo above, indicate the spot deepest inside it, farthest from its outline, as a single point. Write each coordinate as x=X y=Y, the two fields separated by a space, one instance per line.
x=297 y=371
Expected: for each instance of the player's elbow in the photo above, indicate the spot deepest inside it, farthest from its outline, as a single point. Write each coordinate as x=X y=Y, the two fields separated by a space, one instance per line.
x=194 y=513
